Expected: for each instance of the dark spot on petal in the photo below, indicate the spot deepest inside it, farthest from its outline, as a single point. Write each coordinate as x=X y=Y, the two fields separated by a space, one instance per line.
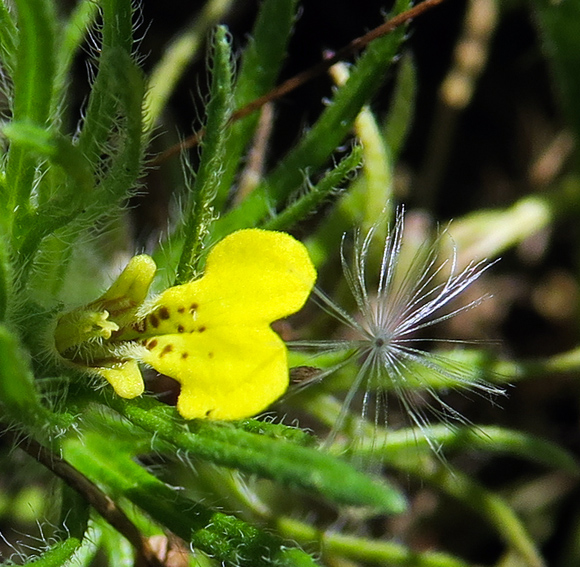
x=208 y=412
x=184 y=354
x=201 y=329
x=210 y=354
x=151 y=344
x=154 y=320
x=164 y=313
x=166 y=350
x=193 y=307
x=180 y=328
x=181 y=309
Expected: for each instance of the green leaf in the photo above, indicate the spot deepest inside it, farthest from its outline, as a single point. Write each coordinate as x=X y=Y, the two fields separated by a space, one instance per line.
x=178 y=55
x=32 y=95
x=496 y=511
x=402 y=109
x=259 y=69
x=56 y=148
x=209 y=179
x=317 y=145
x=101 y=110
x=290 y=464
x=18 y=395
x=222 y=536
x=558 y=23
x=379 y=552
x=128 y=86
x=310 y=201
x=470 y=438
x=5 y=276
x=77 y=210
x=71 y=38
x=58 y=555
x=8 y=35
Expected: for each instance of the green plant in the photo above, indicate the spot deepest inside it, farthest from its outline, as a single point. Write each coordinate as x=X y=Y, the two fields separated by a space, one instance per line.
x=135 y=470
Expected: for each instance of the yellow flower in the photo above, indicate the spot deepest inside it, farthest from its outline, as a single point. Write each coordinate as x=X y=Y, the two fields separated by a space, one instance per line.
x=212 y=335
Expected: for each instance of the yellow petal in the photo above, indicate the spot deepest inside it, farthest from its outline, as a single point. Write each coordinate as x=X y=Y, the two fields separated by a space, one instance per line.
x=260 y=274
x=134 y=281
x=251 y=276
x=125 y=377
x=129 y=290
x=213 y=335
x=225 y=373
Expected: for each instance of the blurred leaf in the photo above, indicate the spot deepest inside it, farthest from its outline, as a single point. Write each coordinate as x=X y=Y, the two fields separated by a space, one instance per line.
x=558 y=23
x=176 y=59
x=18 y=395
x=379 y=552
x=261 y=62
x=8 y=38
x=402 y=108
x=496 y=511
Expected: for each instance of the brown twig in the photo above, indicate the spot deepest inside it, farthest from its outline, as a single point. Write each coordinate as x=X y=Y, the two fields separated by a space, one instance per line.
x=303 y=77
x=102 y=503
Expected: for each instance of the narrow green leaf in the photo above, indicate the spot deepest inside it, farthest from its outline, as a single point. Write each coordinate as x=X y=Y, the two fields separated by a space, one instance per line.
x=496 y=511
x=208 y=179
x=470 y=438
x=74 y=33
x=58 y=555
x=277 y=431
x=5 y=276
x=35 y=60
x=180 y=53
x=378 y=552
x=100 y=114
x=402 y=109
x=283 y=462
x=558 y=23
x=18 y=395
x=32 y=95
x=121 y=177
x=316 y=146
x=222 y=536
x=54 y=147
x=259 y=69
x=309 y=202
x=75 y=185
x=124 y=86
x=8 y=38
